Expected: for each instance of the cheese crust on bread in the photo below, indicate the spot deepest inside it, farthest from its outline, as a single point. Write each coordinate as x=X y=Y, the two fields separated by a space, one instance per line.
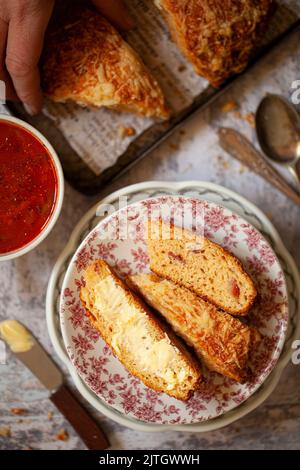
x=87 y=61
x=217 y=36
x=140 y=341
x=222 y=342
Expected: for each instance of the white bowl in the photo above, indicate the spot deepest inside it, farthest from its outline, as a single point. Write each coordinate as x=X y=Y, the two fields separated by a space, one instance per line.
x=60 y=190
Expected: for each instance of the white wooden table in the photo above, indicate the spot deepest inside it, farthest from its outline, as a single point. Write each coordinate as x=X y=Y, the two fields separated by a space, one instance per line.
x=192 y=153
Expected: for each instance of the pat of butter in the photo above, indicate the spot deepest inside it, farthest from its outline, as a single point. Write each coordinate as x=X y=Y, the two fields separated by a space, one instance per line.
x=16 y=336
x=130 y=329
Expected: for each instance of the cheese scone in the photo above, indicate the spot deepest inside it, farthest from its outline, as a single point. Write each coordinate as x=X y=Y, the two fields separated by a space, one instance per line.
x=222 y=342
x=87 y=61
x=217 y=36
x=201 y=265
x=139 y=340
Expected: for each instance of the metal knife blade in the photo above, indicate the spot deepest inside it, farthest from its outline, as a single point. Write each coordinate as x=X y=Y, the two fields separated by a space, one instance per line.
x=28 y=350
x=42 y=366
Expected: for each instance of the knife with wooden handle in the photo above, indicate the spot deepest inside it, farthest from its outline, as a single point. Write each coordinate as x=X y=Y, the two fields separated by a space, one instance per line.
x=239 y=147
x=27 y=349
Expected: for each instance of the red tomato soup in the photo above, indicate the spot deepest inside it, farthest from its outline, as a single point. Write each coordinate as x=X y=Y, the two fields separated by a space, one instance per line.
x=28 y=187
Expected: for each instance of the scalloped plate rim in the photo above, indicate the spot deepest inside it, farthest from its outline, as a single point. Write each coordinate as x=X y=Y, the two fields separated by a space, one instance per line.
x=68 y=329
x=223 y=420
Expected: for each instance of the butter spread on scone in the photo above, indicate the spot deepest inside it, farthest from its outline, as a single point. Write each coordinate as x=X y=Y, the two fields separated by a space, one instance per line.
x=144 y=346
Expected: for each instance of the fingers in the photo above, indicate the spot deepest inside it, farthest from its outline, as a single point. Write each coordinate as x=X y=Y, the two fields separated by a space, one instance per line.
x=7 y=93
x=116 y=12
x=24 y=46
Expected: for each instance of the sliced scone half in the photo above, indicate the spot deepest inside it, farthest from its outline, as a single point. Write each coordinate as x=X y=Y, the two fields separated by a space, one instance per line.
x=140 y=341
x=217 y=36
x=87 y=61
x=201 y=265
x=222 y=342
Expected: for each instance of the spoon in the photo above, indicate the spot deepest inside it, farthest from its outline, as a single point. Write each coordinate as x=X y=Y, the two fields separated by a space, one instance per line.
x=278 y=131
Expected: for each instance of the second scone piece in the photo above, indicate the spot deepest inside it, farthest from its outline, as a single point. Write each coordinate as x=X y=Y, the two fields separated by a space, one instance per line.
x=222 y=342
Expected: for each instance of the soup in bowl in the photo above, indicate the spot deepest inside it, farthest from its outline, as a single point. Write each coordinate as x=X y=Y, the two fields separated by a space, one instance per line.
x=31 y=187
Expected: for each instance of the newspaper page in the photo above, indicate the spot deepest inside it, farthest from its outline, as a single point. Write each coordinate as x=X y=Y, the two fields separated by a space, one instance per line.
x=97 y=135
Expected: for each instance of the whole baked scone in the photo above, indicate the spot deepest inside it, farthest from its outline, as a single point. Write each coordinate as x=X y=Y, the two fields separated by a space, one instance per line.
x=141 y=342
x=87 y=61
x=217 y=36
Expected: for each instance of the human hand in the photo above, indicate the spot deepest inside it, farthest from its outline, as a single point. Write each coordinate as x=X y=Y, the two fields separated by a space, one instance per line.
x=22 y=27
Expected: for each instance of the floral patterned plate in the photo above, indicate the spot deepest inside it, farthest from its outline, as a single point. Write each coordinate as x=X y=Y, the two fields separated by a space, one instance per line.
x=102 y=371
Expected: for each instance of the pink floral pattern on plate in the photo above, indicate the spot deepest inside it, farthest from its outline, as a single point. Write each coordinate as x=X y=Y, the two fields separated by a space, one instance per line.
x=103 y=372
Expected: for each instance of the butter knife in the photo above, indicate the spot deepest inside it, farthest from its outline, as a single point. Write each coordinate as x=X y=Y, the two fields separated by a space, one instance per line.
x=29 y=351
x=240 y=148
